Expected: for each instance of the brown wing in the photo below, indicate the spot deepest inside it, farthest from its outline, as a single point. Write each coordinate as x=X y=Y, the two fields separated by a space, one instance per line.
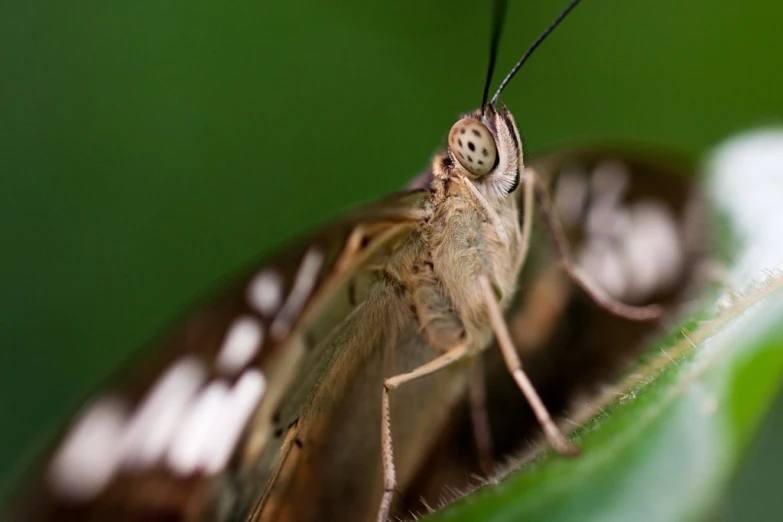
x=332 y=419
x=636 y=223
x=173 y=436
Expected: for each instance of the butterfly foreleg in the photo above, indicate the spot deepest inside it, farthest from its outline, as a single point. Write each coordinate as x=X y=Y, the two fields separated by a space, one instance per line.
x=387 y=446
x=595 y=292
x=528 y=200
x=514 y=365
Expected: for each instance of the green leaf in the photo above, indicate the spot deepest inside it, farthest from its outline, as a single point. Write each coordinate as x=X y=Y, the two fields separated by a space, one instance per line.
x=668 y=447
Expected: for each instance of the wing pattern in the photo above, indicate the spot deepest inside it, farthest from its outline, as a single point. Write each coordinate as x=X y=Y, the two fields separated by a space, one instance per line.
x=172 y=436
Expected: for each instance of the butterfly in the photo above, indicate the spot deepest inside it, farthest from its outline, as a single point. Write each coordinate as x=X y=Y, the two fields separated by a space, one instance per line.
x=314 y=386
x=571 y=347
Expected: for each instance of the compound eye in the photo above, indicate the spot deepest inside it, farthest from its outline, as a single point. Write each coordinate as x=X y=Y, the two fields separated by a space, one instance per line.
x=473 y=145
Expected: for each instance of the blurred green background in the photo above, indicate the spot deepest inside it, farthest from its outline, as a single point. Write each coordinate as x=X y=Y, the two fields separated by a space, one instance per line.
x=150 y=148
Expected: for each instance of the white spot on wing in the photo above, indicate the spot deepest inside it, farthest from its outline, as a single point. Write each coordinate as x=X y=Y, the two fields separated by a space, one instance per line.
x=571 y=194
x=605 y=215
x=237 y=409
x=609 y=182
x=157 y=418
x=242 y=342
x=634 y=252
x=88 y=458
x=192 y=438
x=265 y=292
x=600 y=259
x=306 y=278
x=652 y=250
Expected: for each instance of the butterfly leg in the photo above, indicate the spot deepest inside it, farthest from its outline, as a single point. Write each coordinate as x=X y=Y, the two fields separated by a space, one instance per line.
x=479 y=417
x=514 y=365
x=387 y=447
x=527 y=218
x=596 y=293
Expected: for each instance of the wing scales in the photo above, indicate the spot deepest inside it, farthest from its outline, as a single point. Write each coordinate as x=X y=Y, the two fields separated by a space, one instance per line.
x=255 y=331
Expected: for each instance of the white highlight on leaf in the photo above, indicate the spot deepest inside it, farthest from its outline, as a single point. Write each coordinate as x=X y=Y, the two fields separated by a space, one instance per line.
x=243 y=341
x=746 y=175
x=265 y=292
x=192 y=439
x=306 y=277
x=89 y=457
x=156 y=420
x=237 y=409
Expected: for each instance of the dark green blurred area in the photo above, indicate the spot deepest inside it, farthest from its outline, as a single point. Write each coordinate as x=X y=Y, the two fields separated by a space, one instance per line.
x=149 y=148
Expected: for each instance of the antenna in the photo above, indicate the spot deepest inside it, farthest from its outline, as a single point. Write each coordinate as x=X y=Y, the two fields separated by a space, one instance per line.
x=498 y=16
x=530 y=49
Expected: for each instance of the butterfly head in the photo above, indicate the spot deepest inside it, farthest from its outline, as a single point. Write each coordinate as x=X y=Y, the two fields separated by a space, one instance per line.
x=484 y=146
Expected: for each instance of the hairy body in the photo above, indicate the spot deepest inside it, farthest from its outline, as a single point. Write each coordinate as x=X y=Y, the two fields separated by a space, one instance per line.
x=425 y=301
